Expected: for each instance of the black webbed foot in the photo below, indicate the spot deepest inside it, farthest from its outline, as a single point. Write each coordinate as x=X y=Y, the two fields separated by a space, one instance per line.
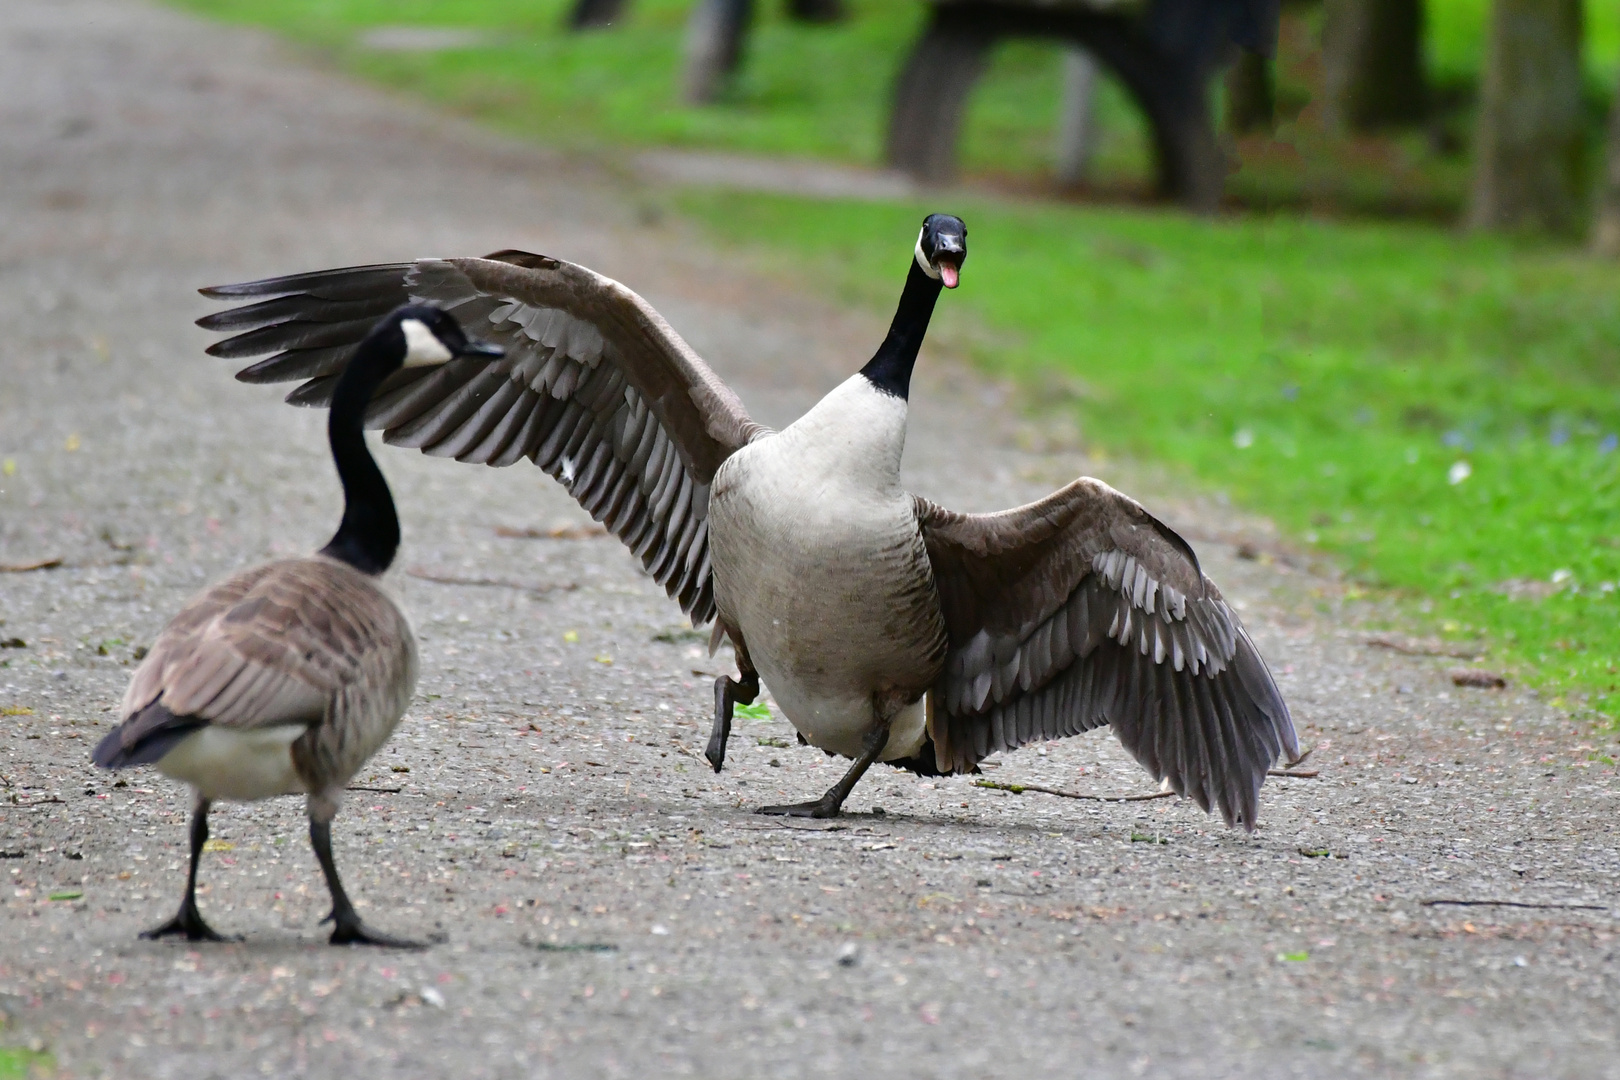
x=818 y=808
x=353 y=931
x=188 y=921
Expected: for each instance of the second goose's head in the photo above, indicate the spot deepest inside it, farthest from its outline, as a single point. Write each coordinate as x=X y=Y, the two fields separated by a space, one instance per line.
x=421 y=335
x=942 y=248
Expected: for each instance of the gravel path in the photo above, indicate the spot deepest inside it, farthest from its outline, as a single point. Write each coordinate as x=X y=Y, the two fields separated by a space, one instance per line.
x=612 y=907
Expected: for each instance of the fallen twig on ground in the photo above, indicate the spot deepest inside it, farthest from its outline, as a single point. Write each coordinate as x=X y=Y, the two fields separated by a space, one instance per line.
x=1416 y=647
x=560 y=532
x=1485 y=680
x=1019 y=789
x=574 y=947
x=37 y=564
x=1297 y=762
x=1298 y=774
x=1513 y=903
x=377 y=790
x=492 y=583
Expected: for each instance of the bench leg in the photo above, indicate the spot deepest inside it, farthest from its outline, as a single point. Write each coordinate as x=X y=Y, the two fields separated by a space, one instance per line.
x=931 y=97
x=715 y=35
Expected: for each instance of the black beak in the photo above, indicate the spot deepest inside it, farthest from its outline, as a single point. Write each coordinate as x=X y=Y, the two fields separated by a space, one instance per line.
x=481 y=348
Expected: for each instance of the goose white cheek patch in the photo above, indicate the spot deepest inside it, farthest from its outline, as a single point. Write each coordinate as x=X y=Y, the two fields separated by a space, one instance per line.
x=422 y=347
x=922 y=260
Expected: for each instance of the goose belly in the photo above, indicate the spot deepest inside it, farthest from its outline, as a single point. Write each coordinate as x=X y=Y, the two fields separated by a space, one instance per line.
x=835 y=600
x=233 y=763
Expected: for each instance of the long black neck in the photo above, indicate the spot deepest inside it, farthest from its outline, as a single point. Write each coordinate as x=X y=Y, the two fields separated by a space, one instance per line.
x=890 y=367
x=369 y=535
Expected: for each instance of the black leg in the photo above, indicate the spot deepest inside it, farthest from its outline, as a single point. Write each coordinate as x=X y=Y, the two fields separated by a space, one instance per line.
x=728 y=692
x=829 y=804
x=347 y=928
x=188 y=920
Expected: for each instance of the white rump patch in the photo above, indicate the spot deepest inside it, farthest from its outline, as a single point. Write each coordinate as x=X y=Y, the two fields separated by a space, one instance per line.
x=422 y=346
x=233 y=763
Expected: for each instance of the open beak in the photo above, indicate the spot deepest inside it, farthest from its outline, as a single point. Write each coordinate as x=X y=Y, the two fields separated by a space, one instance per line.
x=482 y=348
x=948 y=274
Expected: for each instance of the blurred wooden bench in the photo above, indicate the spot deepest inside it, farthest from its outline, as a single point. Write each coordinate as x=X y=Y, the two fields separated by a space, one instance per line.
x=1164 y=52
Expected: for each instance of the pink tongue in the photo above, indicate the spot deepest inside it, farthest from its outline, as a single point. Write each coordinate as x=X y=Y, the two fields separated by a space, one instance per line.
x=947 y=274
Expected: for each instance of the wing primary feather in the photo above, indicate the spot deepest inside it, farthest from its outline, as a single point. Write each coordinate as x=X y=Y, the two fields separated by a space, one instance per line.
x=507 y=430
x=437 y=424
x=551 y=414
x=297 y=364
x=347 y=283
x=551 y=451
x=397 y=407
x=291 y=335
x=597 y=483
x=296 y=308
x=620 y=502
x=472 y=431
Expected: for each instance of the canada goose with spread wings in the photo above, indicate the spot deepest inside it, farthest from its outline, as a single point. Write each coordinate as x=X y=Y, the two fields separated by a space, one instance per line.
x=887 y=628
x=287 y=677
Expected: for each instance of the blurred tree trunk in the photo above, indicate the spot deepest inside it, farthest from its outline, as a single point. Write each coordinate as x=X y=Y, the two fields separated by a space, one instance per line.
x=1606 y=223
x=1527 y=147
x=1251 y=99
x=1372 y=63
x=715 y=35
x=1077 y=117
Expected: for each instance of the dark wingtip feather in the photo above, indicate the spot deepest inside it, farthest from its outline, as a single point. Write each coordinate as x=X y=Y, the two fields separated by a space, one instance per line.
x=263 y=287
x=316 y=394
x=109 y=752
x=298 y=364
x=338 y=284
x=144 y=739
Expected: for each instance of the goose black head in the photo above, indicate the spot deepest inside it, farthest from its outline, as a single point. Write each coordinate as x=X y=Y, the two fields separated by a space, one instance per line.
x=428 y=335
x=942 y=248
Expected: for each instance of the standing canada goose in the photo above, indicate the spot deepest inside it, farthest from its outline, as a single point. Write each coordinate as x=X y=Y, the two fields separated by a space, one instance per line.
x=888 y=628
x=287 y=677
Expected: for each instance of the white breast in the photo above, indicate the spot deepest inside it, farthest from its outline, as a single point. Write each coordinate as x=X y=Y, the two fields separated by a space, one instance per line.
x=236 y=763
x=819 y=562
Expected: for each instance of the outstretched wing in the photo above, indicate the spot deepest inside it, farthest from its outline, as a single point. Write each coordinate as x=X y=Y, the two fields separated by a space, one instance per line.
x=1083 y=609
x=595 y=388
x=273 y=645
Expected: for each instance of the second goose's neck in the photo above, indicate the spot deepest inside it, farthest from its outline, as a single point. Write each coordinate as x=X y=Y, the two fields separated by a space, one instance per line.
x=890 y=367
x=369 y=534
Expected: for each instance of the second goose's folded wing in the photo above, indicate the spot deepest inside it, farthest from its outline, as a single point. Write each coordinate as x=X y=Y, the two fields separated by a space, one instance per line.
x=1083 y=609
x=283 y=643
x=596 y=388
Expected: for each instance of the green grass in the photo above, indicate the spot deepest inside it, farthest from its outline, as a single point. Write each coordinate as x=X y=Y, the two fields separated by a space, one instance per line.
x=18 y=1064
x=1330 y=375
